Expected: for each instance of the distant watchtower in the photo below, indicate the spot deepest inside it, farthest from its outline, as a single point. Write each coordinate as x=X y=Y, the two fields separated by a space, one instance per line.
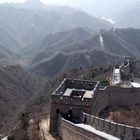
x=127 y=68
x=124 y=72
x=70 y=100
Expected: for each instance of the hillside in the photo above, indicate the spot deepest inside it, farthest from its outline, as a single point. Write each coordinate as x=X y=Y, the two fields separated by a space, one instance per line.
x=5 y=53
x=63 y=61
x=7 y=56
x=52 y=43
x=9 y=37
x=50 y=59
x=17 y=87
x=65 y=50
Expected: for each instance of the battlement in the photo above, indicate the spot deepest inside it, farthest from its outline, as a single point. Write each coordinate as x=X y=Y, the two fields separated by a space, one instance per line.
x=119 y=130
x=124 y=72
x=73 y=97
x=75 y=90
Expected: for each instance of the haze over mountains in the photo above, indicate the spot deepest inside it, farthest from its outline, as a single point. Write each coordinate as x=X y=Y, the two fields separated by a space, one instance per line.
x=129 y=17
x=49 y=40
x=104 y=48
x=43 y=34
x=32 y=24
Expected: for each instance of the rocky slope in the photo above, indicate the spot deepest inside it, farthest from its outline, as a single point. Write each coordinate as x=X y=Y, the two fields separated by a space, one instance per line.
x=17 y=87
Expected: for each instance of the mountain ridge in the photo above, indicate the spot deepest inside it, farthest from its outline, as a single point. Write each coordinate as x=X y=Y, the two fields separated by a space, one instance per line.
x=33 y=24
x=113 y=44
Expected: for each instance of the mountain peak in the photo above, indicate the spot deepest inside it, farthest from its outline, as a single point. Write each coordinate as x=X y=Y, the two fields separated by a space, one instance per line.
x=34 y=4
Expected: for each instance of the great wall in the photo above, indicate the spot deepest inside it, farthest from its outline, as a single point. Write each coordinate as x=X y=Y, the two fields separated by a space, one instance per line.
x=76 y=106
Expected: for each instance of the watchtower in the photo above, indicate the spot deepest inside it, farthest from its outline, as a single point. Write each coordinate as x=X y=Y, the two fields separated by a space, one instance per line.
x=70 y=99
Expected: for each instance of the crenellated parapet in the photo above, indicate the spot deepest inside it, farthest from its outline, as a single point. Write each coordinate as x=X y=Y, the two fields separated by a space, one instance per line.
x=73 y=97
x=72 y=94
x=116 y=129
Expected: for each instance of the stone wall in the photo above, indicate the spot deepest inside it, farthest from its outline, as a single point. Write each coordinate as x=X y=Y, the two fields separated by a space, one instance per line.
x=137 y=80
x=115 y=96
x=100 y=101
x=60 y=90
x=78 y=84
x=119 y=130
x=110 y=97
x=73 y=83
x=69 y=131
x=102 y=98
x=64 y=106
x=125 y=72
x=123 y=96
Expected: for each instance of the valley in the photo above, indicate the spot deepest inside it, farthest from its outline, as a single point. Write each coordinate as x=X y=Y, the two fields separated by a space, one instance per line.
x=40 y=45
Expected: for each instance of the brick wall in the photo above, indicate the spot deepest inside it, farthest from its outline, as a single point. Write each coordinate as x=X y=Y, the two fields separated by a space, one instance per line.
x=102 y=98
x=115 y=129
x=101 y=101
x=68 y=131
x=115 y=96
x=123 y=96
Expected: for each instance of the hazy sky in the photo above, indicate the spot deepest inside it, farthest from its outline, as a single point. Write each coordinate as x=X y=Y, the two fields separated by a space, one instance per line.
x=60 y=2
x=77 y=2
x=96 y=7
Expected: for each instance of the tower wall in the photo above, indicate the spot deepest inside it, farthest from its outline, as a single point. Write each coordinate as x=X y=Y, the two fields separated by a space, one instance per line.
x=64 y=105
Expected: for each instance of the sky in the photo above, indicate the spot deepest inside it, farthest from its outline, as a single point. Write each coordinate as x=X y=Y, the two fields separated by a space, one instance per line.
x=95 y=7
x=58 y=2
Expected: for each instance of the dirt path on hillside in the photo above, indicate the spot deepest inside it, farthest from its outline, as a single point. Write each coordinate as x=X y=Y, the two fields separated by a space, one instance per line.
x=44 y=131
